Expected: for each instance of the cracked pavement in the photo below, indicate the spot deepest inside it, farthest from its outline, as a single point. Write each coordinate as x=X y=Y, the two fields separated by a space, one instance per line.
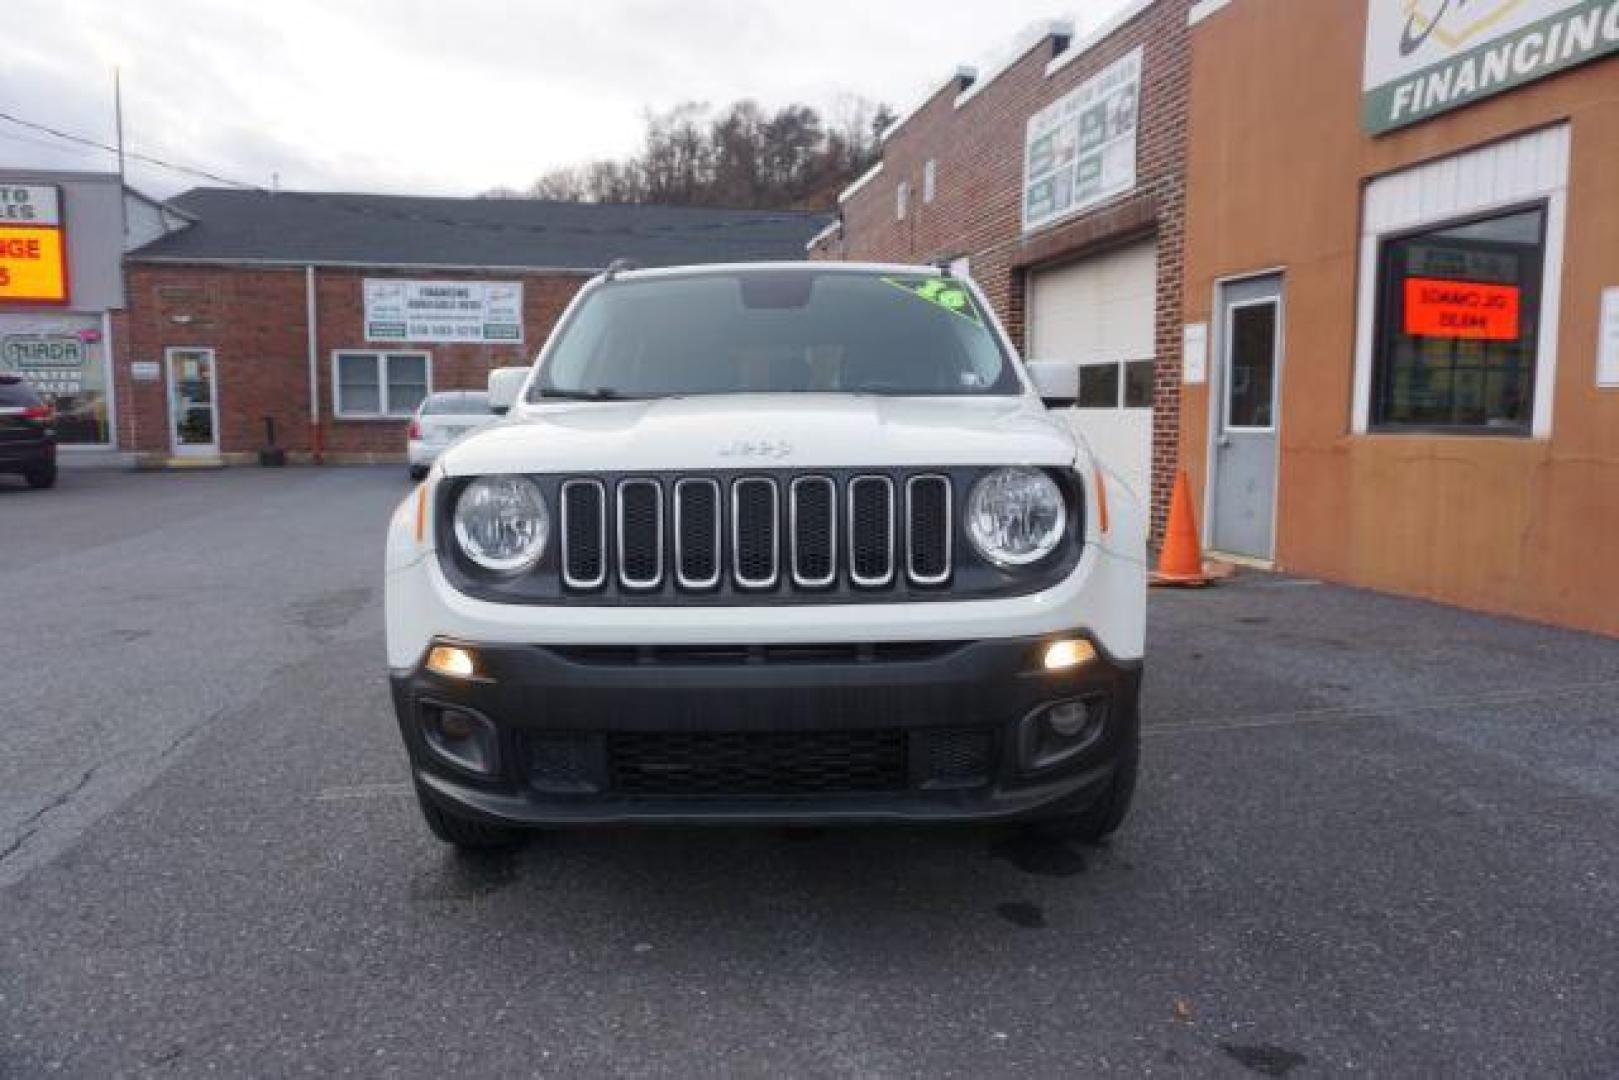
x=1373 y=834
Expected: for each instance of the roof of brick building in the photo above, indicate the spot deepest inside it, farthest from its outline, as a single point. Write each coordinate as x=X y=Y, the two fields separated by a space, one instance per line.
x=336 y=228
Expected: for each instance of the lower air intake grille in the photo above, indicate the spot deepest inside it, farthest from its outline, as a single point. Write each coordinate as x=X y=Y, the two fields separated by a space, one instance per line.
x=757 y=763
x=956 y=759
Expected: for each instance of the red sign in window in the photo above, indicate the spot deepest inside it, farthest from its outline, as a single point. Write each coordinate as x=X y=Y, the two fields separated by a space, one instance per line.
x=1461 y=309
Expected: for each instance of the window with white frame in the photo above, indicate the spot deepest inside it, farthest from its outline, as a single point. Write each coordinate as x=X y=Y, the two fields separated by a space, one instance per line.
x=930 y=180
x=380 y=383
x=902 y=199
x=1461 y=262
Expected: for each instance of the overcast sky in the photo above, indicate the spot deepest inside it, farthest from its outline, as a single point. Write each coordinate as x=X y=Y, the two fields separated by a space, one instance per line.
x=442 y=97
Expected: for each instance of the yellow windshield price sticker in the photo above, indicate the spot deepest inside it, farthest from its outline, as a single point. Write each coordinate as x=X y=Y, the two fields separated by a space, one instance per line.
x=941 y=292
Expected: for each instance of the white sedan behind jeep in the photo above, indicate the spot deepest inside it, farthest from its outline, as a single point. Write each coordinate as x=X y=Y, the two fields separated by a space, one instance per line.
x=781 y=543
x=441 y=419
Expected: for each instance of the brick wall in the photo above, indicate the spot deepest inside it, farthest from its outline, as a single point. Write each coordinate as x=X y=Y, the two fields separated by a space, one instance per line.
x=977 y=209
x=255 y=321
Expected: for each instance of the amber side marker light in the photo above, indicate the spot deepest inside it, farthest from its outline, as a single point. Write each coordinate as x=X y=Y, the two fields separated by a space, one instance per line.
x=1101 y=498
x=1063 y=655
x=451 y=661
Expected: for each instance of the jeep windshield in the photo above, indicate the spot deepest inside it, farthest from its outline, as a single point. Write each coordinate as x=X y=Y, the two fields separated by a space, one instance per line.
x=774 y=332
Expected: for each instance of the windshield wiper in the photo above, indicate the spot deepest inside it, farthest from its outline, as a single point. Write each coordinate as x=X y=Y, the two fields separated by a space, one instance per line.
x=600 y=393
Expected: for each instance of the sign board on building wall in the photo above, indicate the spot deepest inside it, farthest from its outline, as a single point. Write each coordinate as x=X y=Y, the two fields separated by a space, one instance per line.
x=33 y=249
x=1081 y=149
x=475 y=312
x=1608 y=340
x=1426 y=57
x=1195 y=354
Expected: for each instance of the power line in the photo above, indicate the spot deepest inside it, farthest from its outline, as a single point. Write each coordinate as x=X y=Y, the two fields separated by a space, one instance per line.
x=147 y=159
x=338 y=201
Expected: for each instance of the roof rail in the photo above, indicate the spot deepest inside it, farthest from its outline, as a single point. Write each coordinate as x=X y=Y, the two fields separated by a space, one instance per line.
x=619 y=266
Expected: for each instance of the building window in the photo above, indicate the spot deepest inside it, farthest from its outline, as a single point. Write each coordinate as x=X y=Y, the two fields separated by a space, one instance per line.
x=902 y=199
x=1115 y=385
x=380 y=383
x=1458 y=328
x=1251 y=394
x=1098 y=387
x=930 y=180
x=1138 y=384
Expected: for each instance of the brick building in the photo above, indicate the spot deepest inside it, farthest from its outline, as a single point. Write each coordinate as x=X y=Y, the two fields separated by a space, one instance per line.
x=332 y=315
x=1057 y=182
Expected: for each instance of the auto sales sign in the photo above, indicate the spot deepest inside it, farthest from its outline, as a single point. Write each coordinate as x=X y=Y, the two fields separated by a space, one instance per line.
x=1426 y=57
x=33 y=249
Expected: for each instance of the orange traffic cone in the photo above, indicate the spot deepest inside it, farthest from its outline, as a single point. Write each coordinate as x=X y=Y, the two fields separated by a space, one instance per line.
x=1180 y=562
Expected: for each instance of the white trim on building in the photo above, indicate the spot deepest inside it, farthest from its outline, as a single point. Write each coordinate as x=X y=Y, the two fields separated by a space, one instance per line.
x=1079 y=48
x=861 y=181
x=1203 y=9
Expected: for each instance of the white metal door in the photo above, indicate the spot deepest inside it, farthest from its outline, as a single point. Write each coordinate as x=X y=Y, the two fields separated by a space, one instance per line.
x=1100 y=313
x=193 y=403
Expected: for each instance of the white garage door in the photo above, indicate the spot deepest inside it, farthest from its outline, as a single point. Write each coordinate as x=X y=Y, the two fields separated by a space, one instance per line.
x=1099 y=313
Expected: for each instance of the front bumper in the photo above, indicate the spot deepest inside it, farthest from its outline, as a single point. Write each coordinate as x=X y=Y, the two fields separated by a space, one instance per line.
x=779 y=734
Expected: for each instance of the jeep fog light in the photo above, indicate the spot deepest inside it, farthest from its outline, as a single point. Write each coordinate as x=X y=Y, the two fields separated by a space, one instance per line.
x=1070 y=653
x=461 y=737
x=1069 y=718
x=451 y=661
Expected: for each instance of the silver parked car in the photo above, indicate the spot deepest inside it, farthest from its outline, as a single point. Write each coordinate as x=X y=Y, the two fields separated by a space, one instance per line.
x=440 y=420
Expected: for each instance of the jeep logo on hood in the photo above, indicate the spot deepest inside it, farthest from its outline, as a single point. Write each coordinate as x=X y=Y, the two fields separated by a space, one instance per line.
x=757 y=449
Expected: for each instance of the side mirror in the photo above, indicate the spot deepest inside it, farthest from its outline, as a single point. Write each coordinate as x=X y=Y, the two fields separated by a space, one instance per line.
x=504 y=386
x=1056 y=381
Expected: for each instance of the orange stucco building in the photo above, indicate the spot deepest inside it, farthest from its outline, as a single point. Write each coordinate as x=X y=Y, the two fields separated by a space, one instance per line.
x=1401 y=360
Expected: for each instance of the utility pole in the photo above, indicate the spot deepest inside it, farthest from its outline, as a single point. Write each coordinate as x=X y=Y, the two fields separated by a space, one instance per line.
x=118 y=120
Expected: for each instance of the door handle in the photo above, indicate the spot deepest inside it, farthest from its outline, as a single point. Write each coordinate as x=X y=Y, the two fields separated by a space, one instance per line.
x=1223 y=441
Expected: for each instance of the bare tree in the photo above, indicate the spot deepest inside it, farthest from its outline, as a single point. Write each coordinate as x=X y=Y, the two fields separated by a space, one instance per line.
x=567 y=184
x=741 y=156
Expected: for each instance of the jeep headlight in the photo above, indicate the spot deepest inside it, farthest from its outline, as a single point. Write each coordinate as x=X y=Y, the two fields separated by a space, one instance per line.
x=1016 y=517
x=502 y=523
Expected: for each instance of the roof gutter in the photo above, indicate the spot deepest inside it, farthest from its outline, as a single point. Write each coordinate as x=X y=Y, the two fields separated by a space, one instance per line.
x=300 y=264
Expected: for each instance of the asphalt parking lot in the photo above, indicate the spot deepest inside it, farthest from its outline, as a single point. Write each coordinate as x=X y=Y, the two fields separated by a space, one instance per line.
x=1373 y=835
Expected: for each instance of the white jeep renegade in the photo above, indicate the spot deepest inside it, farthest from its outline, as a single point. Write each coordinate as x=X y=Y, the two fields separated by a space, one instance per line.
x=783 y=543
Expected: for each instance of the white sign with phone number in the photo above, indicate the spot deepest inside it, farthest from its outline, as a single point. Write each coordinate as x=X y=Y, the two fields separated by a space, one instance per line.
x=473 y=312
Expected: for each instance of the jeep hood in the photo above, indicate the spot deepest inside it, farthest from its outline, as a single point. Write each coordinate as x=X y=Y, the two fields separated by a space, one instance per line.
x=758 y=431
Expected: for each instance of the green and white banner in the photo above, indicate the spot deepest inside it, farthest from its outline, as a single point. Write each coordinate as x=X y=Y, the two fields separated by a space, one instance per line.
x=1426 y=57
x=474 y=312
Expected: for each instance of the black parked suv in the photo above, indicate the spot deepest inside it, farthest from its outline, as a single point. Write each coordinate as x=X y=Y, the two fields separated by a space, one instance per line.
x=27 y=433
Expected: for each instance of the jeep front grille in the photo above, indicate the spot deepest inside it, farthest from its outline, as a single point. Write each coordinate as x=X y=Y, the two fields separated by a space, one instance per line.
x=757 y=534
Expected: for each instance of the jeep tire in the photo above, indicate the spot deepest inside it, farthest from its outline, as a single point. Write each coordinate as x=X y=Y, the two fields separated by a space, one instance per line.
x=42 y=477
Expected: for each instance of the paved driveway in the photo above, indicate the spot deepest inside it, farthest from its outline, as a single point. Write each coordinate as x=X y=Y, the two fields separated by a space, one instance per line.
x=1373 y=835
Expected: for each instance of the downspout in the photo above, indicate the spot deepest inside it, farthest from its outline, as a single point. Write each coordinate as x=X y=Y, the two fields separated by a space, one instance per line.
x=316 y=443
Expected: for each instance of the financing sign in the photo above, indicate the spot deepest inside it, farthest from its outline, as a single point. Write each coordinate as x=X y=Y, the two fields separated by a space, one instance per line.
x=1080 y=150
x=475 y=312
x=1426 y=57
